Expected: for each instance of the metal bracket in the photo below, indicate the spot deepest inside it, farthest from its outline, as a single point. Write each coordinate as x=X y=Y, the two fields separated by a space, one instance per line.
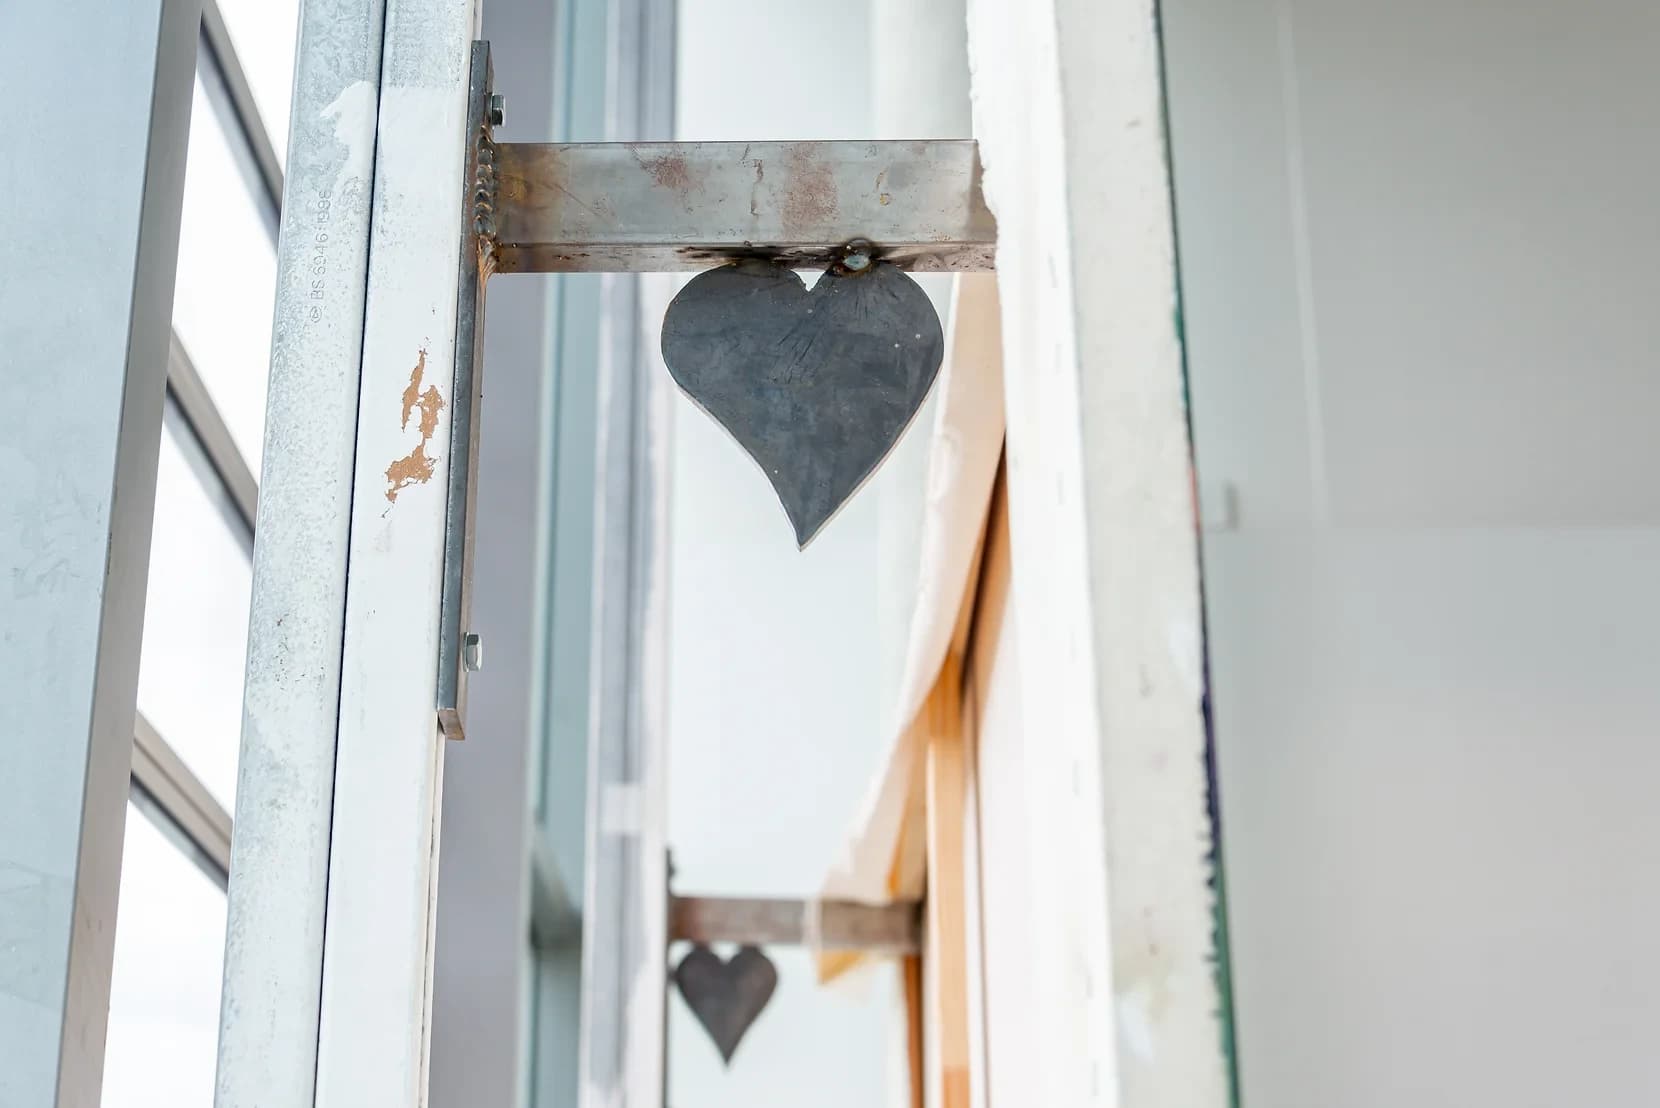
x=727 y=995
x=669 y=206
x=460 y=649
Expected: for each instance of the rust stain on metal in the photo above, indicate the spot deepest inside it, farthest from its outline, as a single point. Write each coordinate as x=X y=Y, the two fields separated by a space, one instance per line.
x=672 y=172
x=810 y=198
x=669 y=171
x=415 y=468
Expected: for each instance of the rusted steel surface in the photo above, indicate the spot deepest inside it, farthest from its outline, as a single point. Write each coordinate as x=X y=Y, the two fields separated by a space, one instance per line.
x=840 y=924
x=613 y=207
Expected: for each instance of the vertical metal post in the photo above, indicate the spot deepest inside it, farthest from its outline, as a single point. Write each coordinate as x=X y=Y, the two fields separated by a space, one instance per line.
x=285 y=788
x=480 y=963
x=374 y=1032
x=86 y=292
x=626 y=900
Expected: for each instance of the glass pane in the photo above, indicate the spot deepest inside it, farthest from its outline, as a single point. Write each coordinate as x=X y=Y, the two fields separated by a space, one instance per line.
x=263 y=32
x=164 y=992
x=195 y=625
x=226 y=283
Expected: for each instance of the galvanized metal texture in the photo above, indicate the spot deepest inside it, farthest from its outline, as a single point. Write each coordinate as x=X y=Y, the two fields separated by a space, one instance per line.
x=823 y=924
x=726 y=996
x=666 y=206
x=455 y=609
x=269 y=1022
x=815 y=384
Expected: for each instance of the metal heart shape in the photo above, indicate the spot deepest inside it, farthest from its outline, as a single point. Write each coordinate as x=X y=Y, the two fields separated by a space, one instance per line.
x=816 y=384
x=726 y=996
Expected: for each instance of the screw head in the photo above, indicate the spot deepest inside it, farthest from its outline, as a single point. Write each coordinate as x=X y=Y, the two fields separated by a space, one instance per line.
x=472 y=651
x=498 y=109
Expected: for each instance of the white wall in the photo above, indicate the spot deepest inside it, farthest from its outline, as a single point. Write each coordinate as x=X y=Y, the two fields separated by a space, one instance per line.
x=782 y=662
x=1418 y=250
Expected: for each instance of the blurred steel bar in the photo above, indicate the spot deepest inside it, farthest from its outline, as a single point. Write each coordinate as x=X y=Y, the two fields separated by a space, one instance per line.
x=841 y=924
x=663 y=206
x=185 y=389
x=623 y=1014
x=182 y=798
x=83 y=341
x=290 y=709
x=233 y=99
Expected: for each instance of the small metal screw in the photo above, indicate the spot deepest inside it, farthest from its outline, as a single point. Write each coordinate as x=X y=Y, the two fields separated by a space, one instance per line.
x=472 y=652
x=498 y=109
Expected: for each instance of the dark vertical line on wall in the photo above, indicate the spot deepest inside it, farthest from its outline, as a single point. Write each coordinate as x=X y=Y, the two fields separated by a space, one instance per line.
x=539 y=1018
x=1218 y=868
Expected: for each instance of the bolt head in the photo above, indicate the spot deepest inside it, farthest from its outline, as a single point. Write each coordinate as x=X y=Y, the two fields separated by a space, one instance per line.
x=856 y=256
x=498 y=109
x=472 y=652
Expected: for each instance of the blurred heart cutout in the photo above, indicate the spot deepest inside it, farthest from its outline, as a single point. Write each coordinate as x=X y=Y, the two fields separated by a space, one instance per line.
x=816 y=384
x=726 y=996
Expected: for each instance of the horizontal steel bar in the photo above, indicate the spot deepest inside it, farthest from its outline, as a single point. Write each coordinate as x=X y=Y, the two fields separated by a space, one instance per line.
x=841 y=924
x=168 y=783
x=665 y=206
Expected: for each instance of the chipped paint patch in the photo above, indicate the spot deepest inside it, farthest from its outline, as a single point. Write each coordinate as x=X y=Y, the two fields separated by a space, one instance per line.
x=415 y=468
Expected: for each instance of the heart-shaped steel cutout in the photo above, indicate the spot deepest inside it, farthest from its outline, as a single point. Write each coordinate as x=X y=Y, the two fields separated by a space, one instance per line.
x=726 y=996
x=816 y=384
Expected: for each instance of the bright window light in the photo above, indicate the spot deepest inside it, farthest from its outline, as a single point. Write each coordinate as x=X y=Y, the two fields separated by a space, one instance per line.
x=263 y=32
x=164 y=993
x=226 y=282
x=195 y=626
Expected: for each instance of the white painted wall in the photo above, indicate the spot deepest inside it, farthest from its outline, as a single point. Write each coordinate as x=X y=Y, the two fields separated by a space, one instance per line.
x=1418 y=249
x=784 y=663
x=773 y=706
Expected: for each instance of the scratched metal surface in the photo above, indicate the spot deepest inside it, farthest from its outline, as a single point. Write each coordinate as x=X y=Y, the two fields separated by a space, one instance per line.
x=815 y=384
x=685 y=205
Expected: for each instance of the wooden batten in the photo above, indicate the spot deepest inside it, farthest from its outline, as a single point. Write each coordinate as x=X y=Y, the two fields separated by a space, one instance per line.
x=947 y=904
